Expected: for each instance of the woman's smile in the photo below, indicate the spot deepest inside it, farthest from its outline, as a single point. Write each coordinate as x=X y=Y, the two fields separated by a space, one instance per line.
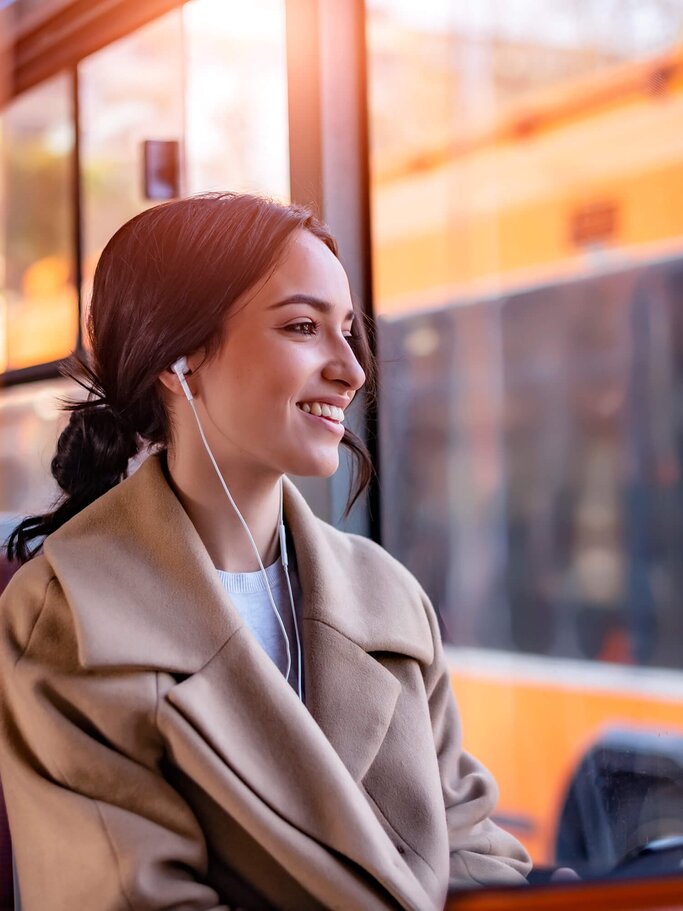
x=331 y=421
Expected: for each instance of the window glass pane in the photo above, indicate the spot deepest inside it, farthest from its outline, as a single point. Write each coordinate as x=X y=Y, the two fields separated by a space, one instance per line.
x=130 y=91
x=237 y=131
x=527 y=217
x=38 y=301
x=30 y=423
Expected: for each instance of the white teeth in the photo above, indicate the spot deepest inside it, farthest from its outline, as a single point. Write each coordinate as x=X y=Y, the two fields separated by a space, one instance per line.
x=321 y=409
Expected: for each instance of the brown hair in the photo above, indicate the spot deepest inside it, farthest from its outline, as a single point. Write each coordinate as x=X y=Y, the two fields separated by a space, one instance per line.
x=162 y=288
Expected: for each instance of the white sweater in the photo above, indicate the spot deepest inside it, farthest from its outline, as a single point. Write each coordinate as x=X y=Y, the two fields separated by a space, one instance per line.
x=248 y=593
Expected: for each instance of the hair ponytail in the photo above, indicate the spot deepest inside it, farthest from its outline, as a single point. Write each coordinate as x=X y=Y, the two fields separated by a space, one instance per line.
x=92 y=456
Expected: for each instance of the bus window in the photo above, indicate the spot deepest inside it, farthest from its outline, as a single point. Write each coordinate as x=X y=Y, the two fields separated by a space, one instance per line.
x=129 y=92
x=237 y=119
x=527 y=218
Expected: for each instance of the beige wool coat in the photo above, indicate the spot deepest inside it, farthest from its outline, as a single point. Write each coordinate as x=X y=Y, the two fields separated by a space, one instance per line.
x=153 y=757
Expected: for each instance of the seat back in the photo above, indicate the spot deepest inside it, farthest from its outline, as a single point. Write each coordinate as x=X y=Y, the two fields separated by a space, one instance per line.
x=6 y=867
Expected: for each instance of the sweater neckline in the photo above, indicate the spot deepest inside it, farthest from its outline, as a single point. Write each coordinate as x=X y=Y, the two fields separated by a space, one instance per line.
x=247 y=583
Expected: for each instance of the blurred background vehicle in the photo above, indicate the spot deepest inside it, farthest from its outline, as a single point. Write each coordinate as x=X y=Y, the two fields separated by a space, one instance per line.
x=528 y=288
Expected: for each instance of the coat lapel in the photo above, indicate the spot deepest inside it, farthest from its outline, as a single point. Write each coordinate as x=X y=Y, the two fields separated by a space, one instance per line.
x=141 y=584
x=351 y=695
x=145 y=593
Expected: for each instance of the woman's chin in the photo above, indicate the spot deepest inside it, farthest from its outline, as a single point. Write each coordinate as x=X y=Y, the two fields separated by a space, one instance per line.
x=321 y=467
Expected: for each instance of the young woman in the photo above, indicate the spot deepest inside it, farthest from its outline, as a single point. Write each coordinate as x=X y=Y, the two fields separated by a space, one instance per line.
x=218 y=706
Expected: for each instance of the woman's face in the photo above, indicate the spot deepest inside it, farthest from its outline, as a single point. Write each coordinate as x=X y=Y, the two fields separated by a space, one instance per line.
x=285 y=358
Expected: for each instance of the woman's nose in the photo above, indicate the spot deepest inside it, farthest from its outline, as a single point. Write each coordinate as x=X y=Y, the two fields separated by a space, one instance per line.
x=343 y=366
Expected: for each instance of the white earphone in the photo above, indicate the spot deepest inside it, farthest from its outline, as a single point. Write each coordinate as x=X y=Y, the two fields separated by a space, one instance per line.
x=180 y=368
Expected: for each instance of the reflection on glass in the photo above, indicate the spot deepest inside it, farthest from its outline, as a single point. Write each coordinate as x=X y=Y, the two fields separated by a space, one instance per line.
x=38 y=302
x=30 y=423
x=237 y=131
x=130 y=91
x=528 y=265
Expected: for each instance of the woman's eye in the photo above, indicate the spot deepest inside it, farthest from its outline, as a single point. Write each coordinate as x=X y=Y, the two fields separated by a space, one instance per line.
x=309 y=328
x=306 y=328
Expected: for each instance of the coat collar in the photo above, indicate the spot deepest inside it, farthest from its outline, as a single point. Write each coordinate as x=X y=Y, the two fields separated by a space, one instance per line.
x=144 y=592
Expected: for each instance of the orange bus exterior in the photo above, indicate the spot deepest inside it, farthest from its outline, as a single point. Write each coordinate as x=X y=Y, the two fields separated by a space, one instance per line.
x=531 y=722
x=588 y=177
x=593 y=166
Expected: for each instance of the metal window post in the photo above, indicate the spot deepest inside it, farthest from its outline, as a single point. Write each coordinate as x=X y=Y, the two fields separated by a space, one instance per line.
x=329 y=170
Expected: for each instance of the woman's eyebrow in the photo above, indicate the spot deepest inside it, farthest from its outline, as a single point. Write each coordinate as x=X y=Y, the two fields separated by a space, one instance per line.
x=317 y=303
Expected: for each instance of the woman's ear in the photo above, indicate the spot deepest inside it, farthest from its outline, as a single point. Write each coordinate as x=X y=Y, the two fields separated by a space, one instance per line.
x=170 y=378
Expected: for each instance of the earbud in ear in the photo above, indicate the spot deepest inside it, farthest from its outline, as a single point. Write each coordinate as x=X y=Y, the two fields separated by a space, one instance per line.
x=180 y=368
x=181 y=364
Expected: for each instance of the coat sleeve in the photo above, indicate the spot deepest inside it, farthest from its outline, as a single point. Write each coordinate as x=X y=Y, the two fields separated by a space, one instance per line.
x=480 y=851
x=94 y=824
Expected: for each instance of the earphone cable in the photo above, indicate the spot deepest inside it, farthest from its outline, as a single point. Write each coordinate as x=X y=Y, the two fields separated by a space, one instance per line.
x=253 y=544
x=285 y=563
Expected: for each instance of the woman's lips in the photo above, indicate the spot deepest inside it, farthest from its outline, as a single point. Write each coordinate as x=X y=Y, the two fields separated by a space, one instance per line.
x=335 y=427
